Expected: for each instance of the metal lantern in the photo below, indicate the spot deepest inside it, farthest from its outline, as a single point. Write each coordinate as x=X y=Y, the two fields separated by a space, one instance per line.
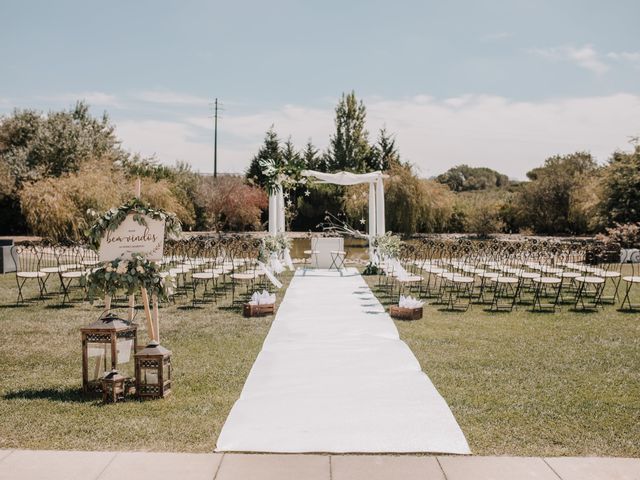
x=107 y=344
x=113 y=387
x=153 y=371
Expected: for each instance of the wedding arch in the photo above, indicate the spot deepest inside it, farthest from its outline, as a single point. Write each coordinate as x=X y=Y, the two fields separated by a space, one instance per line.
x=376 y=224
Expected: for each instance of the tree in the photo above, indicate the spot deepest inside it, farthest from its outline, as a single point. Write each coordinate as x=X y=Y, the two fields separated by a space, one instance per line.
x=270 y=150
x=230 y=203
x=464 y=178
x=545 y=203
x=312 y=158
x=289 y=153
x=484 y=218
x=414 y=204
x=384 y=154
x=38 y=146
x=621 y=187
x=34 y=147
x=349 y=146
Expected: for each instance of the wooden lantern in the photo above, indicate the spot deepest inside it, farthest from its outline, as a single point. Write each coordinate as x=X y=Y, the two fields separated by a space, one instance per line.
x=107 y=344
x=113 y=387
x=153 y=371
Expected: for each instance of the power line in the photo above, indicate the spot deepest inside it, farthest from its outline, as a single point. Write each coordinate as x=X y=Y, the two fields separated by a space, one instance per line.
x=216 y=115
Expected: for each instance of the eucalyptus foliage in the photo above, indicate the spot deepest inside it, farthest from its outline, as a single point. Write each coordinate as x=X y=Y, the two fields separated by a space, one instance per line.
x=129 y=277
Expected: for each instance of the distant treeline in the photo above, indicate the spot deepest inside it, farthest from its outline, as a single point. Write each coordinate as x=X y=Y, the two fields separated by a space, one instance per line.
x=58 y=169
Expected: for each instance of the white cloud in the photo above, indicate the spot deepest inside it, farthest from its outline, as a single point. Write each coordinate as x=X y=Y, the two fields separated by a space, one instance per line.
x=632 y=58
x=167 y=141
x=167 y=97
x=479 y=130
x=510 y=136
x=100 y=99
x=585 y=57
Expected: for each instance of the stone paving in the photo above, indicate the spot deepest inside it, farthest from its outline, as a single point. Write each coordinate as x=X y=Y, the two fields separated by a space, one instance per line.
x=62 y=465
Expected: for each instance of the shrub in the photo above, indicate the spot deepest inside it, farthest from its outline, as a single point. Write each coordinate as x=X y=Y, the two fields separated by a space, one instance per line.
x=621 y=201
x=417 y=205
x=228 y=202
x=60 y=207
x=624 y=235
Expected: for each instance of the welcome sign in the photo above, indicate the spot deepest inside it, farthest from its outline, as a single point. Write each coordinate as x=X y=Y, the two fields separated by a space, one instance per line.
x=131 y=237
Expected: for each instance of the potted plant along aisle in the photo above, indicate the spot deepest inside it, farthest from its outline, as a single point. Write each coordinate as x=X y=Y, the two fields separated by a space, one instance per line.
x=130 y=244
x=273 y=250
x=387 y=246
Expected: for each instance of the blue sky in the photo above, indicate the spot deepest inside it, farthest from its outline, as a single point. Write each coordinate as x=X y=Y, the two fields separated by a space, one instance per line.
x=496 y=83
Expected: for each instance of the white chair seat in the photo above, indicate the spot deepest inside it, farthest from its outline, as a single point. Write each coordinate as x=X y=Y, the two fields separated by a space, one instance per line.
x=52 y=269
x=634 y=279
x=490 y=275
x=476 y=271
x=606 y=274
x=433 y=269
x=204 y=275
x=462 y=279
x=73 y=274
x=529 y=275
x=243 y=276
x=410 y=279
x=217 y=270
x=552 y=270
x=31 y=274
x=569 y=275
x=505 y=280
x=592 y=280
x=548 y=280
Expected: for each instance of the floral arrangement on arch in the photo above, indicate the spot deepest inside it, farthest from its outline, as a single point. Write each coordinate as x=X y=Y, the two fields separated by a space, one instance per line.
x=284 y=174
x=123 y=276
x=111 y=220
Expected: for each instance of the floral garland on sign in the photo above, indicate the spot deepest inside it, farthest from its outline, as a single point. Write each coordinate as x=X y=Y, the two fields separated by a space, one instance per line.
x=112 y=219
x=128 y=277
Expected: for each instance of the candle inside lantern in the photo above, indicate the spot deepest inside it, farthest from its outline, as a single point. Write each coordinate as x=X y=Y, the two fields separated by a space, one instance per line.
x=150 y=377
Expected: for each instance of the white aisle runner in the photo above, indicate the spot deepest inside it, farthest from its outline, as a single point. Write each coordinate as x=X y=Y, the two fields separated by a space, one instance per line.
x=334 y=376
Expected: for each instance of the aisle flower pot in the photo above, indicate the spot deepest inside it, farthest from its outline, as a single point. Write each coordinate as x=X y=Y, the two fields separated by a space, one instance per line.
x=402 y=313
x=249 y=310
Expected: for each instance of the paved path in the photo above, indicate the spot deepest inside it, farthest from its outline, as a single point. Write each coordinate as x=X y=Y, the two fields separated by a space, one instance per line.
x=61 y=465
x=334 y=376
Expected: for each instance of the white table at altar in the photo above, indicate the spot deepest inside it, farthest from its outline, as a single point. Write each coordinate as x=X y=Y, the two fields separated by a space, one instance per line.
x=324 y=246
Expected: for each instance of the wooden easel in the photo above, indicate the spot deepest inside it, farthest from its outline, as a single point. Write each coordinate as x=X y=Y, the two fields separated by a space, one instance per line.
x=151 y=316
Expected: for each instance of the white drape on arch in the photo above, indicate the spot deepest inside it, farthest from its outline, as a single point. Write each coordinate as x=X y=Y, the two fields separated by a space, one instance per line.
x=376 y=198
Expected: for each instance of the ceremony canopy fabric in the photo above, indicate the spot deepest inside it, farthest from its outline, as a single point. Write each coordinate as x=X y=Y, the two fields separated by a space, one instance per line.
x=376 y=198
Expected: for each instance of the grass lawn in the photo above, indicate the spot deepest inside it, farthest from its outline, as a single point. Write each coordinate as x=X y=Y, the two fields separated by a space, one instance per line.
x=41 y=404
x=522 y=383
x=518 y=383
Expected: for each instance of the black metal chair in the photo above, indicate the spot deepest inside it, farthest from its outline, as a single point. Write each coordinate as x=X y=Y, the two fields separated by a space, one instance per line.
x=630 y=281
x=27 y=258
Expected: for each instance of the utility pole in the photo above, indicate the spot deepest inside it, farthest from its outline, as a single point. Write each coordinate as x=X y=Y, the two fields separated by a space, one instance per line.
x=215 y=140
